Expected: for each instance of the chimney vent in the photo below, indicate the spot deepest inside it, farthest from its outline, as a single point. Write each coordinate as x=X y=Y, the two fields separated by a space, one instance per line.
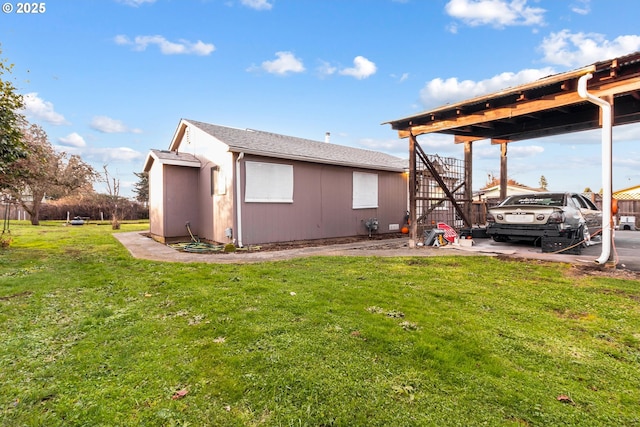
x=327 y=137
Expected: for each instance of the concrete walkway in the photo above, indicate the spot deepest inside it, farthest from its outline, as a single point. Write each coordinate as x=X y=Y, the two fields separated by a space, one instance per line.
x=141 y=246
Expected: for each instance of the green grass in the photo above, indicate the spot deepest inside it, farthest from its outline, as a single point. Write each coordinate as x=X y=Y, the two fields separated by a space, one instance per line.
x=93 y=337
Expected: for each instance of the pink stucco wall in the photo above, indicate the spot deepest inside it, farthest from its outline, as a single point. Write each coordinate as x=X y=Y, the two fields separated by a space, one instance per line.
x=322 y=206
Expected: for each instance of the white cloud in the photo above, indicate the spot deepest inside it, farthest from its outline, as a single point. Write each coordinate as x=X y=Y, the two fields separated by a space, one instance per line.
x=257 y=4
x=106 y=124
x=400 y=78
x=632 y=162
x=72 y=140
x=182 y=47
x=285 y=64
x=497 y=13
x=125 y=154
x=581 y=7
x=39 y=109
x=440 y=143
x=486 y=150
x=135 y=3
x=630 y=132
x=396 y=147
x=439 y=92
x=326 y=69
x=362 y=68
x=578 y=49
x=524 y=151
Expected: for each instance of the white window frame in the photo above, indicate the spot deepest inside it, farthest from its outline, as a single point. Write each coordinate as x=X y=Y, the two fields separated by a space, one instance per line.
x=268 y=182
x=365 y=190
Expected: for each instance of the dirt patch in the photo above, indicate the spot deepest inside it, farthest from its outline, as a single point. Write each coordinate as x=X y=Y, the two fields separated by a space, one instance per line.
x=581 y=270
x=603 y=271
x=300 y=244
x=19 y=295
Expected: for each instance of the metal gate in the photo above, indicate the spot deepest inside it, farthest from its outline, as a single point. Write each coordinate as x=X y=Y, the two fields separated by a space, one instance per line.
x=439 y=192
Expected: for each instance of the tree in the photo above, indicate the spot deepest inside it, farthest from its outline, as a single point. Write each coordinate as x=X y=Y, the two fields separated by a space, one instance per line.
x=74 y=175
x=12 y=147
x=43 y=172
x=141 y=188
x=113 y=189
x=543 y=182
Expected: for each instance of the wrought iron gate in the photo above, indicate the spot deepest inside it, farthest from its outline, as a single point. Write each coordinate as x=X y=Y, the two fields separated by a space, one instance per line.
x=439 y=192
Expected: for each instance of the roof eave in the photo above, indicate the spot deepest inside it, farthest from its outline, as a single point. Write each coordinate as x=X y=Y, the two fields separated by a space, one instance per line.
x=152 y=157
x=405 y=122
x=307 y=159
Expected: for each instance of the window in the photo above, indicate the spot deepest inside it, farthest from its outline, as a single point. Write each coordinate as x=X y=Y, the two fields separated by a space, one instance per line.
x=268 y=183
x=365 y=190
x=218 y=181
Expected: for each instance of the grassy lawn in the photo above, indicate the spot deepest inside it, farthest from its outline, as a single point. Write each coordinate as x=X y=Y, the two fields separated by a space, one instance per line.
x=93 y=337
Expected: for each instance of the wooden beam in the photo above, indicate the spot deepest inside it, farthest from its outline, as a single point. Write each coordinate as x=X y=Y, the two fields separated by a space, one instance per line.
x=460 y=139
x=500 y=141
x=554 y=101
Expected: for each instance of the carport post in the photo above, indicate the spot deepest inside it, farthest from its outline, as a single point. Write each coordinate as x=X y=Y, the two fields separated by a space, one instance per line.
x=468 y=174
x=413 y=225
x=504 y=180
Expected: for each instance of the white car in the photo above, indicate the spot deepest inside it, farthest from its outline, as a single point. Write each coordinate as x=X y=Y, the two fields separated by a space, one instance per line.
x=536 y=215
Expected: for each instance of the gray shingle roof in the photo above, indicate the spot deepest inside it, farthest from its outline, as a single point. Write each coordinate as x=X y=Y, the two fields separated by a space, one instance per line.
x=287 y=147
x=171 y=158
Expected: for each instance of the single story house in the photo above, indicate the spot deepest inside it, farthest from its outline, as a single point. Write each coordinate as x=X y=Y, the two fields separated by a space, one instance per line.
x=246 y=186
x=492 y=192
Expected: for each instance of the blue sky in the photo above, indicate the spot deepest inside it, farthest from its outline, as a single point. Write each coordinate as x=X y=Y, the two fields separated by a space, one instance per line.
x=110 y=79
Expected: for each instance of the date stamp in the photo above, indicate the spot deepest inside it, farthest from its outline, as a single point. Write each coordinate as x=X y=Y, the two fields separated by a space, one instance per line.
x=32 y=8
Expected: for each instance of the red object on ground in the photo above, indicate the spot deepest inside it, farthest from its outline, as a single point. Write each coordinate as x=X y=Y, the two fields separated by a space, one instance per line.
x=449 y=233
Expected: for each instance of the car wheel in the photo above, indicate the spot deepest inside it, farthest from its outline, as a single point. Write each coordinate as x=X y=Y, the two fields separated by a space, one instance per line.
x=583 y=236
x=499 y=238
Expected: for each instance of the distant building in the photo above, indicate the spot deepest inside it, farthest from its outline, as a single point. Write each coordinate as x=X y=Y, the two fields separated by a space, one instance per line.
x=489 y=196
x=628 y=207
x=492 y=192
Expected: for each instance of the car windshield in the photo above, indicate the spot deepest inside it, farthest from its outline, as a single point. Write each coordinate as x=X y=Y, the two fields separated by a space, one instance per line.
x=534 y=199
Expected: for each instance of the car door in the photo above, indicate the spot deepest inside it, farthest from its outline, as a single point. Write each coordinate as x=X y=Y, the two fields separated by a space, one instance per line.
x=589 y=211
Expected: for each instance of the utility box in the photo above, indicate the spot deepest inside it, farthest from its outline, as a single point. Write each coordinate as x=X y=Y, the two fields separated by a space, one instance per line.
x=627 y=223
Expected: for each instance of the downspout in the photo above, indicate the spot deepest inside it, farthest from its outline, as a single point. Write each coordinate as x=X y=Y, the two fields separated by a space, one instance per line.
x=239 y=198
x=606 y=166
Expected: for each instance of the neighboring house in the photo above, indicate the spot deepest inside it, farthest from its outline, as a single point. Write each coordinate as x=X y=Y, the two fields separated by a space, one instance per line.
x=489 y=196
x=254 y=187
x=631 y=193
x=493 y=192
x=628 y=207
